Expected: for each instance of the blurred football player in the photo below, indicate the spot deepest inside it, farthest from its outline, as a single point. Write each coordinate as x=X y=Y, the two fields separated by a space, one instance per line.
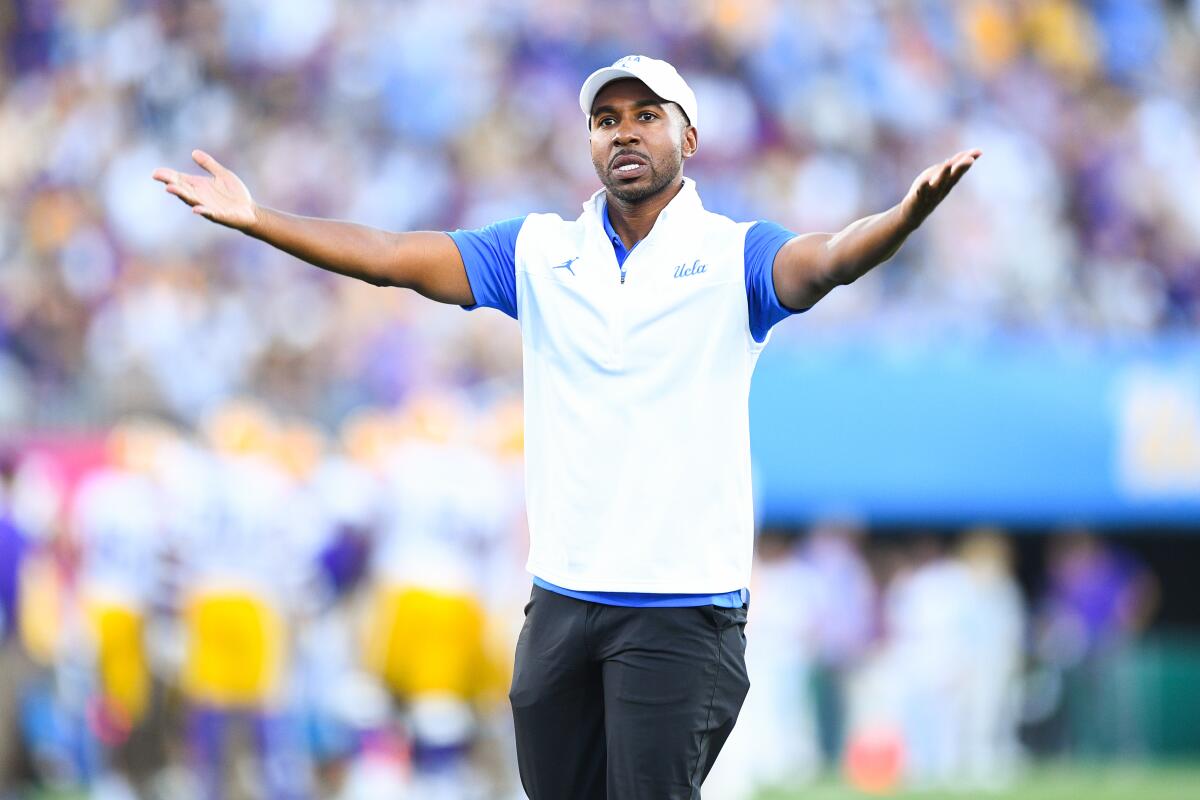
x=429 y=630
x=239 y=528
x=117 y=521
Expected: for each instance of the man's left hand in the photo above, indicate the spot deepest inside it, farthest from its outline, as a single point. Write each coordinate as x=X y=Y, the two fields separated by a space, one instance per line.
x=932 y=185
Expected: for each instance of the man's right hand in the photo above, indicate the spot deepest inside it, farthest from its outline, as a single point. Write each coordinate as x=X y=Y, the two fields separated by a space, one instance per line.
x=222 y=198
x=428 y=262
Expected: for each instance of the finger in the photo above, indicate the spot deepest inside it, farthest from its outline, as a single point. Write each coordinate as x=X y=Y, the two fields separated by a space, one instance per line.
x=182 y=193
x=925 y=180
x=193 y=184
x=960 y=170
x=963 y=161
x=165 y=175
x=962 y=165
x=940 y=177
x=206 y=162
x=203 y=211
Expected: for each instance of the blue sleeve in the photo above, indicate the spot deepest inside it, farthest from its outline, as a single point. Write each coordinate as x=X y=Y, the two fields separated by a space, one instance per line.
x=763 y=241
x=490 y=256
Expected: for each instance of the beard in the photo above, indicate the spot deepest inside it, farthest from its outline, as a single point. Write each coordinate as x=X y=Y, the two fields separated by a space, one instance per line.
x=663 y=172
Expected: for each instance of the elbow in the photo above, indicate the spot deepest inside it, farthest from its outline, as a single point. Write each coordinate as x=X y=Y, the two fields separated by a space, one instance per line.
x=842 y=279
x=816 y=288
x=371 y=278
x=830 y=279
x=840 y=274
x=392 y=275
x=838 y=269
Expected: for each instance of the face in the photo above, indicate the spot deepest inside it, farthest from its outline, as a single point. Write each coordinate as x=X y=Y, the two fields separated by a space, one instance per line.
x=639 y=141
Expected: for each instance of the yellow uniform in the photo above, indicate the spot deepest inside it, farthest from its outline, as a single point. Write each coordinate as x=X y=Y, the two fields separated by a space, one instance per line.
x=116 y=518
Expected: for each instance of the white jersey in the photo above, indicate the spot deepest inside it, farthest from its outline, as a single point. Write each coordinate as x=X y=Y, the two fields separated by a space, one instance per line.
x=345 y=494
x=116 y=517
x=239 y=522
x=637 y=429
x=446 y=511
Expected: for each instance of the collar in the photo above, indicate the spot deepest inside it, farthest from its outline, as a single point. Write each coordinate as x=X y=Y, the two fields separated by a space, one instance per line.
x=609 y=229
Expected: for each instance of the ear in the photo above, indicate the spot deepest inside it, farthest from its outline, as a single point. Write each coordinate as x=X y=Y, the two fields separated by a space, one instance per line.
x=691 y=141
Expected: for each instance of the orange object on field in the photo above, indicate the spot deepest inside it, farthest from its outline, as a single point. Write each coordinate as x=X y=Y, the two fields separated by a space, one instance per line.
x=875 y=760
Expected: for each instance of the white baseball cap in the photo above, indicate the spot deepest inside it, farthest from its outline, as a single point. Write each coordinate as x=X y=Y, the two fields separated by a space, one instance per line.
x=661 y=77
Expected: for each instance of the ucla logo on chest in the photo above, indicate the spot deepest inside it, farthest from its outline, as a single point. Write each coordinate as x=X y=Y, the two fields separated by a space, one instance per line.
x=695 y=268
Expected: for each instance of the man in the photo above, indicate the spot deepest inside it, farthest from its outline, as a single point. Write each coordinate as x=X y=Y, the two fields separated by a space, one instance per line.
x=641 y=323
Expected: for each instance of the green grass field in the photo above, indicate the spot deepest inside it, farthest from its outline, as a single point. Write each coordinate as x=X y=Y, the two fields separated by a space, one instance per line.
x=1076 y=782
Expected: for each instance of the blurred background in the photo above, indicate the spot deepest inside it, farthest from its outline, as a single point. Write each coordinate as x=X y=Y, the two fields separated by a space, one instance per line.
x=261 y=528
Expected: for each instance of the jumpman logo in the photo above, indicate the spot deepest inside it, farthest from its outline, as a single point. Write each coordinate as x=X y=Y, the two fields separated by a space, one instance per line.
x=567 y=265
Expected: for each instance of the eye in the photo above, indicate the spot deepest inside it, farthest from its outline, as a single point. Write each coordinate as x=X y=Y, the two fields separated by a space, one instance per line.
x=604 y=121
x=647 y=116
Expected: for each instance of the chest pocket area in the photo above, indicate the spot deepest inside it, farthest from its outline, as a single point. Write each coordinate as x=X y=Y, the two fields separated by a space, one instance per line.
x=681 y=311
x=675 y=281
x=683 y=324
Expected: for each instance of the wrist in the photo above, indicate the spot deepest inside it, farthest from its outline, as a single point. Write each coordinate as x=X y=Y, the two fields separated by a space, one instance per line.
x=258 y=221
x=909 y=218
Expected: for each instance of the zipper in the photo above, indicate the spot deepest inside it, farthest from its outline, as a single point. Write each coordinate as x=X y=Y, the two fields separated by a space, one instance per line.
x=617 y=320
x=618 y=344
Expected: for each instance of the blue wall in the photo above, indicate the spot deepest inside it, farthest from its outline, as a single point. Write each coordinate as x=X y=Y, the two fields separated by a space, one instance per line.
x=1015 y=433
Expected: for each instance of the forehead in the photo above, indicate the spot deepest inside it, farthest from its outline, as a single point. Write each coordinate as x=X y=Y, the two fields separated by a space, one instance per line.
x=624 y=91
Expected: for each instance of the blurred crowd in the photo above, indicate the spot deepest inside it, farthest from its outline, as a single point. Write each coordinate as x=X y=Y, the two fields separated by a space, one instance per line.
x=317 y=594
x=1082 y=220
x=919 y=661
x=258 y=611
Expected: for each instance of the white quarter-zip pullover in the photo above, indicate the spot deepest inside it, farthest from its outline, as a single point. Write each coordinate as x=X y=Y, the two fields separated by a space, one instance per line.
x=637 y=377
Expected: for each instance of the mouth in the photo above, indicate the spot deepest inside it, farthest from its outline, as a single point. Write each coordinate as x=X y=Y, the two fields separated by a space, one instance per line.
x=628 y=166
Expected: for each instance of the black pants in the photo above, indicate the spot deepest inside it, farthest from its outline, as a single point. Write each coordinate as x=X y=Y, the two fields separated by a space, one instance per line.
x=616 y=703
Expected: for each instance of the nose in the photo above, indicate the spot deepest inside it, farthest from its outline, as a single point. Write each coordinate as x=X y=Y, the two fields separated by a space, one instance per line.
x=625 y=133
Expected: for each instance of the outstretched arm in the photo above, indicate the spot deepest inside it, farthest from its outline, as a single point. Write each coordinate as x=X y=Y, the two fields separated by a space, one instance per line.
x=427 y=262
x=809 y=266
